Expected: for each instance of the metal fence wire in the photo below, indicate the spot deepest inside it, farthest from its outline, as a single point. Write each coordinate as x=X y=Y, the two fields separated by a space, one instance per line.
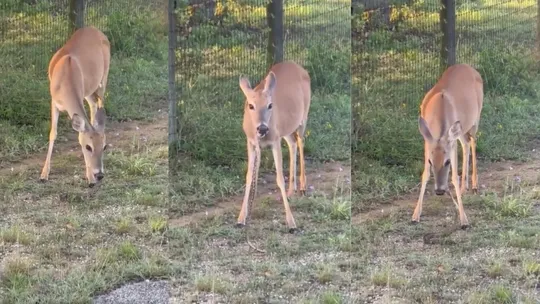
x=220 y=40
x=32 y=31
x=399 y=53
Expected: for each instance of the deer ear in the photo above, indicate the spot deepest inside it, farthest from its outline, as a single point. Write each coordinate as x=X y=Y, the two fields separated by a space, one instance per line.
x=270 y=83
x=78 y=124
x=424 y=130
x=99 y=120
x=244 y=85
x=455 y=131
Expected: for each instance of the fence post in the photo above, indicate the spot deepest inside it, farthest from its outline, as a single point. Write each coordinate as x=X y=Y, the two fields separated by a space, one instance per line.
x=274 y=16
x=76 y=15
x=448 y=28
x=173 y=119
x=538 y=30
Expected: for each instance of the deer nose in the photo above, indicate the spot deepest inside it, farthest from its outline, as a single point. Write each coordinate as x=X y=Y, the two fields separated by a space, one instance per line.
x=262 y=129
x=439 y=191
x=99 y=176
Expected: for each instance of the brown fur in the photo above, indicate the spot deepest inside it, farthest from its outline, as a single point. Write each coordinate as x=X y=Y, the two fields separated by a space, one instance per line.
x=451 y=111
x=287 y=88
x=79 y=71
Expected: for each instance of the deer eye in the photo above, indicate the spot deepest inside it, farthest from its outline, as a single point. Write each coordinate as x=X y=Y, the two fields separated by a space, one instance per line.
x=105 y=147
x=446 y=163
x=269 y=106
x=88 y=148
x=431 y=164
x=251 y=107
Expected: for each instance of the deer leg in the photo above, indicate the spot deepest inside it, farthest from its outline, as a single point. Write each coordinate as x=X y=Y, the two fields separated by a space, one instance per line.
x=52 y=137
x=249 y=181
x=293 y=148
x=92 y=101
x=303 y=181
x=474 y=168
x=462 y=216
x=425 y=179
x=278 y=161
x=466 y=149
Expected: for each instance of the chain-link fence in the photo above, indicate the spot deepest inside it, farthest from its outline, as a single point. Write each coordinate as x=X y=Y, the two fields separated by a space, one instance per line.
x=32 y=31
x=218 y=41
x=400 y=50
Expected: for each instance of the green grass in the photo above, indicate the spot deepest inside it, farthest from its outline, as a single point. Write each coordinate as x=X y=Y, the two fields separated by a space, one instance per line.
x=30 y=37
x=434 y=261
x=310 y=267
x=62 y=242
x=398 y=67
x=212 y=158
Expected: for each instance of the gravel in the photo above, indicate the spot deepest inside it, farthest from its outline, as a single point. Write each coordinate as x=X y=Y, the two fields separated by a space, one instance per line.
x=147 y=292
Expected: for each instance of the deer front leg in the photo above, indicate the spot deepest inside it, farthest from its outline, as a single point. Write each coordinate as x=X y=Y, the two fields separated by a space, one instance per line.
x=425 y=179
x=249 y=181
x=462 y=216
x=52 y=137
x=92 y=103
x=278 y=161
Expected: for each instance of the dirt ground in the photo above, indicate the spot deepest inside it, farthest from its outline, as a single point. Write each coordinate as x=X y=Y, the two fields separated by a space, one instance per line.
x=496 y=260
x=94 y=240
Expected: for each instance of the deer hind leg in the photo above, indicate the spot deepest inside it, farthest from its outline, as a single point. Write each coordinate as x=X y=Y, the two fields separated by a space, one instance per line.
x=474 y=177
x=52 y=137
x=425 y=179
x=293 y=148
x=300 y=141
x=466 y=149
x=278 y=161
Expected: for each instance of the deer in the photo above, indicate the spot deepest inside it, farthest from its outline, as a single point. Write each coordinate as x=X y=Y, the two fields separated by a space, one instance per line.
x=77 y=71
x=277 y=108
x=449 y=112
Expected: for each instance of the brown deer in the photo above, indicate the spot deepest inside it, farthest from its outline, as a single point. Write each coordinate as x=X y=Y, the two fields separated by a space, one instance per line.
x=276 y=109
x=449 y=112
x=79 y=71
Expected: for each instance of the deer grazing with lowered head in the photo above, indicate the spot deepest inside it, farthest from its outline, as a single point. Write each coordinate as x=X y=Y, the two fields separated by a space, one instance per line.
x=449 y=112
x=79 y=71
x=277 y=108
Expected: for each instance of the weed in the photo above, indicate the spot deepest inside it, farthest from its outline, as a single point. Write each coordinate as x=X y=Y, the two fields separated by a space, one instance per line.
x=123 y=226
x=211 y=284
x=14 y=235
x=157 y=224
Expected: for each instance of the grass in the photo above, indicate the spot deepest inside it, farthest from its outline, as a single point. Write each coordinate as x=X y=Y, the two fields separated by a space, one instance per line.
x=399 y=67
x=310 y=267
x=60 y=241
x=30 y=37
x=212 y=157
x=435 y=261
